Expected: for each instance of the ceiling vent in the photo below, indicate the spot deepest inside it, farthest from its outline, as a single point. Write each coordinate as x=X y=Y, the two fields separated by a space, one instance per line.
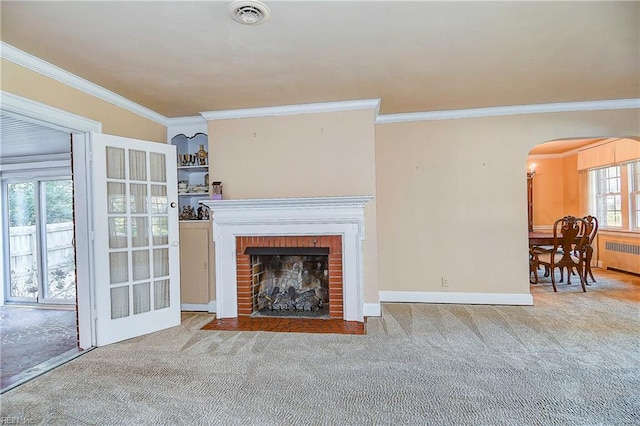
x=249 y=12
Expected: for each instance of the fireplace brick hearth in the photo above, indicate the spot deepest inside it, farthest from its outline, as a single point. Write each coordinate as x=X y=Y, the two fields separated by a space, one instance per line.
x=243 y=266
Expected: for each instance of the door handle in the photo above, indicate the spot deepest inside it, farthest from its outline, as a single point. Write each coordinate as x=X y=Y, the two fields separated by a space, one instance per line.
x=173 y=205
x=174 y=244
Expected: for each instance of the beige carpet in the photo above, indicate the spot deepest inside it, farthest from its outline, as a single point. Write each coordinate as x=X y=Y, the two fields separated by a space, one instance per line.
x=572 y=359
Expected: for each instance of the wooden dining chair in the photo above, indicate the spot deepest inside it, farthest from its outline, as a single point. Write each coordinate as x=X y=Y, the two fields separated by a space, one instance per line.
x=591 y=229
x=533 y=267
x=569 y=250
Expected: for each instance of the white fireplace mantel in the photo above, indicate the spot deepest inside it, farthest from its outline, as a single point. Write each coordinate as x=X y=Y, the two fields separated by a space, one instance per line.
x=287 y=217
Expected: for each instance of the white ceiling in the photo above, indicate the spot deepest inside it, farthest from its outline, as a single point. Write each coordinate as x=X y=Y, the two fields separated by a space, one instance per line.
x=182 y=58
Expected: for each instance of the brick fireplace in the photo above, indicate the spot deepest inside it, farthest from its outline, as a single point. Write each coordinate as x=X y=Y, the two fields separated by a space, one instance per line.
x=336 y=223
x=246 y=277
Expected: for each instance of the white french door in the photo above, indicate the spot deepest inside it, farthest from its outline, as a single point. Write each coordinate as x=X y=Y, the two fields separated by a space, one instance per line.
x=135 y=225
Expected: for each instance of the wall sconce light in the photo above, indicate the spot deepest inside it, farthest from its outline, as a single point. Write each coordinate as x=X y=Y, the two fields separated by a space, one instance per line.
x=532 y=171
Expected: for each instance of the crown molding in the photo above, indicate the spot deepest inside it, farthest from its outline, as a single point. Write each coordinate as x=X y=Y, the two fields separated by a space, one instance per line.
x=30 y=110
x=196 y=120
x=510 y=110
x=551 y=156
x=188 y=126
x=294 y=109
x=40 y=66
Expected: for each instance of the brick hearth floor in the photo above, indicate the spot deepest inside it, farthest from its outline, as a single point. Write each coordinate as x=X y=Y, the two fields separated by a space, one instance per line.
x=291 y=325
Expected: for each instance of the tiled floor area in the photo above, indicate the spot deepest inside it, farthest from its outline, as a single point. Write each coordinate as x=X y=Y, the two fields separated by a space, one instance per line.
x=292 y=325
x=34 y=340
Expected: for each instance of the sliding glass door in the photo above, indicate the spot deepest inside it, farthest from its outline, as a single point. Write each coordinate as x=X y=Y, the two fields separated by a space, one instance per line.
x=40 y=259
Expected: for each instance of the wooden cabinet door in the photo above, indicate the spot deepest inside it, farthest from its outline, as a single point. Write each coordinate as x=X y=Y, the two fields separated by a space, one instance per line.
x=194 y=263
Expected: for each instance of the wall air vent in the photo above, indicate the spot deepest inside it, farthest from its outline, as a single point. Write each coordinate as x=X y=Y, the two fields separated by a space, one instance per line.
x=621 y=247
x=249 y=12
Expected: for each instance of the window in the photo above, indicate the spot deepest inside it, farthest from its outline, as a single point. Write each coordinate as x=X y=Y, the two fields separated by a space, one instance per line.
x=634 y=201
x=608 y=197
x=40 y=258
x=615 y=196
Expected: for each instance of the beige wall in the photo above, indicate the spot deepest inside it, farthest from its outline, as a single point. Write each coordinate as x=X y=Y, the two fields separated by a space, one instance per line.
x=450 y=195
x=452 y=201
x=571 y=187
x=548 y=191
x=557 y=190
x=23 y=82
x=306 y=155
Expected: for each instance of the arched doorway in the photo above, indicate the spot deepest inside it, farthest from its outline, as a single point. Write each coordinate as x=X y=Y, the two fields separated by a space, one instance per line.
x=590 y=176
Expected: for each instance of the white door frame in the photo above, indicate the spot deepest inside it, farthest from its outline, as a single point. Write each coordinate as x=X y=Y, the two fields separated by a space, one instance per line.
x=80 y=127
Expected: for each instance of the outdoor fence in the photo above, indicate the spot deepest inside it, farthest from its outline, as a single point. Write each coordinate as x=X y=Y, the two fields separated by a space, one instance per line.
x=23 y=258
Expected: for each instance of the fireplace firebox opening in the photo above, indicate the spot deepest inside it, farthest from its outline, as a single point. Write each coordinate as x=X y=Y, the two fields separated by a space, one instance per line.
x=298 y=275
x=290 y=284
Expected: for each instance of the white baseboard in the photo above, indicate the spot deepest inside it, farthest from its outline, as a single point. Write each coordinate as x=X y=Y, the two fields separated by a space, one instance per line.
x=196 y=307
x=199 y=307
x=453 y=297
x=372 y=310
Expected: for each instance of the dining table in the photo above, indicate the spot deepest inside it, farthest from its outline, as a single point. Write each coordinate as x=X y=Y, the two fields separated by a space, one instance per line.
x=537 y=238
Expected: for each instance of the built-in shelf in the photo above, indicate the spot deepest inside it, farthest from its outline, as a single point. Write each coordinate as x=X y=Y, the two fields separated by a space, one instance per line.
x=192 y=194
x=193 y=175
x=203 y=169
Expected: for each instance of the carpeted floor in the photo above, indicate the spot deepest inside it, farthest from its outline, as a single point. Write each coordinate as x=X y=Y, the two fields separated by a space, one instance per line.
x=31 y=337
x=572 y=359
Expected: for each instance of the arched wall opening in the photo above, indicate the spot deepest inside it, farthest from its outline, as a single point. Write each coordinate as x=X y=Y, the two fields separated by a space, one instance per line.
x=562 y=180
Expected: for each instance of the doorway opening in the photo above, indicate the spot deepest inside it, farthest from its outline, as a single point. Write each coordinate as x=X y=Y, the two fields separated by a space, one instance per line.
x=43 y=256
x=582 y=177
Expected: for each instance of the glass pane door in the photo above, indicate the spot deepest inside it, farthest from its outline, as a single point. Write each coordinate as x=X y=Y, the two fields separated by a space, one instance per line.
x=41 y=252
x=23 y=247
x=58 y=258
x=136 y=237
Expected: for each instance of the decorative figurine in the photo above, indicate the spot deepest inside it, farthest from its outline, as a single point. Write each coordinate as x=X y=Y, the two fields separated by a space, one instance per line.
x=202 y=156
x=188 y=213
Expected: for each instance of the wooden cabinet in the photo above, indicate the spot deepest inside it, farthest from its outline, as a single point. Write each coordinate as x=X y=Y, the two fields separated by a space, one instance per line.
x=197 y=275
x=197 y=264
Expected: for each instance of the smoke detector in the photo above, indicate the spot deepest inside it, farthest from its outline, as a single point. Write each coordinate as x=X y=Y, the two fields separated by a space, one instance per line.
x=249 y=12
